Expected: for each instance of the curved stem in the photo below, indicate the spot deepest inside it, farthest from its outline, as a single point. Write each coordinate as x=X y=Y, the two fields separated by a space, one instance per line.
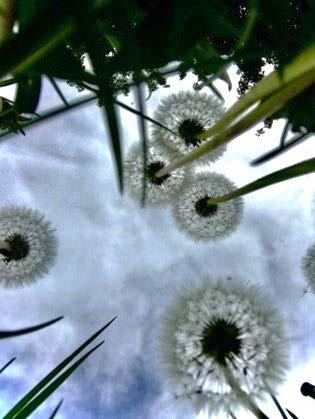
x=299 y=169
x=4 y=245
x=241 y=395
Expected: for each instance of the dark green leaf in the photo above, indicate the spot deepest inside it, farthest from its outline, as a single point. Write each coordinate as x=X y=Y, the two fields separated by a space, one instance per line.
x=6 y=365
x=43 y=383
x=12 y=333
x=28 y=93
x=37 y=401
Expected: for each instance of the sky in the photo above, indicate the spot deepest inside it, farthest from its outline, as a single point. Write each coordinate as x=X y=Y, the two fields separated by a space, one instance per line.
x=115 y=258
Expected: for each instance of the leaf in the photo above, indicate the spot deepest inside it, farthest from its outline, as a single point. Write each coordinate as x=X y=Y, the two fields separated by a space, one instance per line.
x=53 y=373
x=56 y=410
x=12 y=333
x=28 y=93
x=91 y=37
x=29 y=408
x=291 y=414
x=7 y=364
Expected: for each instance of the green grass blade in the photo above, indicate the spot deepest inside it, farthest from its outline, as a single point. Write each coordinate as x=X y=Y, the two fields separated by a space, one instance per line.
x=274 y=399
x=279 y=150
x=299 y=169
x=56 y=409
x=43 y=383
x=7 y=364
x=108 y=104
x=11 y=333
x=58 y=90
x=29 y=408
x=293 y=416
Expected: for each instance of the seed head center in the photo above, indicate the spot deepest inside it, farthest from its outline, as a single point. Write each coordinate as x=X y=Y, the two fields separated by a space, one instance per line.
x=151 y=170
x=221 y=341
x=203 y=209
x=19 y=248
x=189 y=129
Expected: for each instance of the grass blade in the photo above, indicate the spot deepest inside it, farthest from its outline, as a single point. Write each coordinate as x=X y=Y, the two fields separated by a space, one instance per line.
x=56 y=410
x=282 y=413
x=54 y=112
x=58 y=90
x=293 y=416
x=271 y=154
x=7 y=364
x=29 y=408
x=38 y=387
x=299 y=169
x=12 y=333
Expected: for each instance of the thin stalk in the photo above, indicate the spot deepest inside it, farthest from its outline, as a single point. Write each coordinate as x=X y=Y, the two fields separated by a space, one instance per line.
x=274 y=399
x=284 y=133
x=7 y=364
x=58 y=90
x=271 y=154
x=4 y=245
x=241 y=395
x=262 y=111
x=299 y=169
x=140 y=113
x=54 y=112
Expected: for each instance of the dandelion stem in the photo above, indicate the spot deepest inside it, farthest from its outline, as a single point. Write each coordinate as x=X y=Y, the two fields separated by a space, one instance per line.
x=269 y=95
x=242 y=396
x=4 y=245
x=299 y=169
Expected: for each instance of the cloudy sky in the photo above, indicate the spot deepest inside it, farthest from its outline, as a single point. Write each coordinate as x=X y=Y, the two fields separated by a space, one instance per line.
x=117 y=259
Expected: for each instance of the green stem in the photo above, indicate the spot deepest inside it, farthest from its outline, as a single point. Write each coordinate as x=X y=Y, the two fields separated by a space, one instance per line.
x=298 y=68
x=4 y=245
x=241 y=395
x=299 y=169
x=266 y=108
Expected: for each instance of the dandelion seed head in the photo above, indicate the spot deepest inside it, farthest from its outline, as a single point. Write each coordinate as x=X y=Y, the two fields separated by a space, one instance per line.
x=204 y=222
x=187 y=114
x=32 y=245
x=308 y=266
x=221 y=323
x=159 y=191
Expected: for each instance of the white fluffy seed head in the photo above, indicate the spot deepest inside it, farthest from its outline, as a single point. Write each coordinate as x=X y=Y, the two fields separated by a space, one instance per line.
x=174 y=110
x=308 y=266
x=41 y=242
x=158 y=193
x=215 y=226
x=193 y=375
